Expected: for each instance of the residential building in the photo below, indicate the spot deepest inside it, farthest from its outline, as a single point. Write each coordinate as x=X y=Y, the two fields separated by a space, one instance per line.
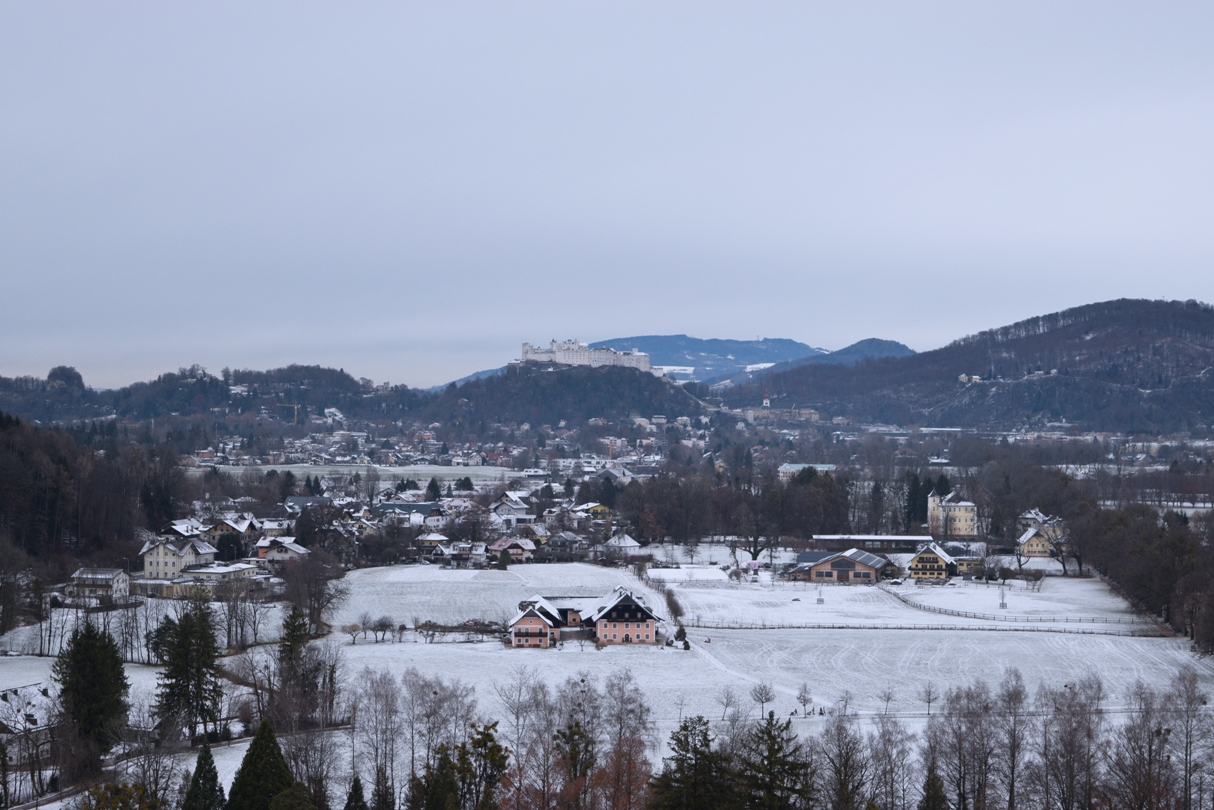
x=624 y=618
x=169 y=557
x=99 y=585
x=512 y=508
x=277 y=551
x=951 y=516
x=931 y=562
x=520 y=549
x=1033 y=543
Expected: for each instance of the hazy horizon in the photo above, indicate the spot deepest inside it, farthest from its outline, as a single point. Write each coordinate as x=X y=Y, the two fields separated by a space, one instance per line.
x=410 y=192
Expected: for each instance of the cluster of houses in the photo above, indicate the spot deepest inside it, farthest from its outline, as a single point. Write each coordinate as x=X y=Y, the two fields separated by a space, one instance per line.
x=620 y=617
x=182 y=556
x=866 y=559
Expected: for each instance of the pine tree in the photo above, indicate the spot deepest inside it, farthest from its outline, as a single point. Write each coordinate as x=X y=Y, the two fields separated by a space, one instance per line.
x=773 y=771
x=438 y=789
x=354 y=799
x=205 y=792
x=294 y=638
x=934 y=797
x=696 y=776
x=190 y=686
x=263 y=773
x=433 y=490
x=383 y=793
x=92 y=683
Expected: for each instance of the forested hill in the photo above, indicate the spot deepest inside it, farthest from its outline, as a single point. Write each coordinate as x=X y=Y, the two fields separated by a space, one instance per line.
x=1125 y=365
x=64 y=397
x=527 y=394
x=546 y=395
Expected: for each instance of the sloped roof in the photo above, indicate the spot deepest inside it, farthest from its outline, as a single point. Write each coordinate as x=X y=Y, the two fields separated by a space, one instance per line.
x=939 y=552
x=622 y=541
x=614 y=598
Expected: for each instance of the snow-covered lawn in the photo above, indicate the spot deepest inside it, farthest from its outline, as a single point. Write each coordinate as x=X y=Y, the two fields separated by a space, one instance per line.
x=710 y=600
x=1058 y=598
x=432 y=593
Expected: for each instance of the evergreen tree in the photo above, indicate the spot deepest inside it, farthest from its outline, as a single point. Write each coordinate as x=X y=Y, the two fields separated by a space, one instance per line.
x=92 y=684
x=943 y=487
x=383 y=793
x=295 y=797
x=774 y=773
x=696 y=776
x=503 y=560
x=912 y=500
x=205 y=792
x=263 y=773
x=437 y=789
x=934 y=797
x=354 y=799
x=433 y=490
x=480 y=763
x=190 y=687
x=294 y=639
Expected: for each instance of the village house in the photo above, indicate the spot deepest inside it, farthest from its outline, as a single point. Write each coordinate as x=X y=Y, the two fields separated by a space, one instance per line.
x=242 y=527
x=168 y=557
x=841 y=567
x=512 y=509
x=624 y=619
x=520 y=549
x=1033 y=543
x=101 y=585
x=619 y=547
x=277 y=551
x=459 y=554
x=931 y=562
x=539 y=622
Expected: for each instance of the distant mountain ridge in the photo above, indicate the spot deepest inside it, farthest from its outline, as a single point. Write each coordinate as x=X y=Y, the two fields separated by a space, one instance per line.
x=1125 y=365
x=710 y=357
x=868 y=349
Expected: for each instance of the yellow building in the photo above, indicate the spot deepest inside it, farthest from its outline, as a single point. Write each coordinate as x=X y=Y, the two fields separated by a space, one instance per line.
x=952 y=517
x=1033 y=543
x=931 y=562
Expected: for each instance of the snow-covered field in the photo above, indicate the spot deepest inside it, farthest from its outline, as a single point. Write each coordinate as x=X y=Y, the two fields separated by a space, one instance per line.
x=710 y=600
x=865 y=640
x=431 y=593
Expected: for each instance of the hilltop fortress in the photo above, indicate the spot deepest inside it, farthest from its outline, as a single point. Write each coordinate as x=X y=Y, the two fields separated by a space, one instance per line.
x=576 y=353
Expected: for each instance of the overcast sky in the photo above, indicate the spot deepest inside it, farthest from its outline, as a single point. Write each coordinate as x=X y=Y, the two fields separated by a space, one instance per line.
x=410 y=191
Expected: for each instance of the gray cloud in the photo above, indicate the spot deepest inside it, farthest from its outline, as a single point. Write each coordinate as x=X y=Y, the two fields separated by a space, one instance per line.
x=409 y=192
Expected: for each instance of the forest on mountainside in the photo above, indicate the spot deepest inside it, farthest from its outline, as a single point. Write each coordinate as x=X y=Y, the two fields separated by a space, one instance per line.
x=1127 y=365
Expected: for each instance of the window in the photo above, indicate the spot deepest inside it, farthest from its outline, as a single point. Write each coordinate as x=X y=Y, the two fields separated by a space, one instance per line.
x=614 y=636
x=646 y=636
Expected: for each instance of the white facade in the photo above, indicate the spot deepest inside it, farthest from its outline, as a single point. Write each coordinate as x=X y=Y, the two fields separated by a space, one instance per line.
x=576 y=353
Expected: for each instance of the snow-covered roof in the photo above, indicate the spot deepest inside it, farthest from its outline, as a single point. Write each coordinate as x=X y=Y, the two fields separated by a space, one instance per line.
x=621 y=541
x=939 y=552
x=99 y=574
x=179 y=546
x=614 y=598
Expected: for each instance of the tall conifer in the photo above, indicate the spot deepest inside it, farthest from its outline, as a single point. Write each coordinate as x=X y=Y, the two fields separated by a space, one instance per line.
x=205 y=792
x=263 y=773
x=354 y=799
